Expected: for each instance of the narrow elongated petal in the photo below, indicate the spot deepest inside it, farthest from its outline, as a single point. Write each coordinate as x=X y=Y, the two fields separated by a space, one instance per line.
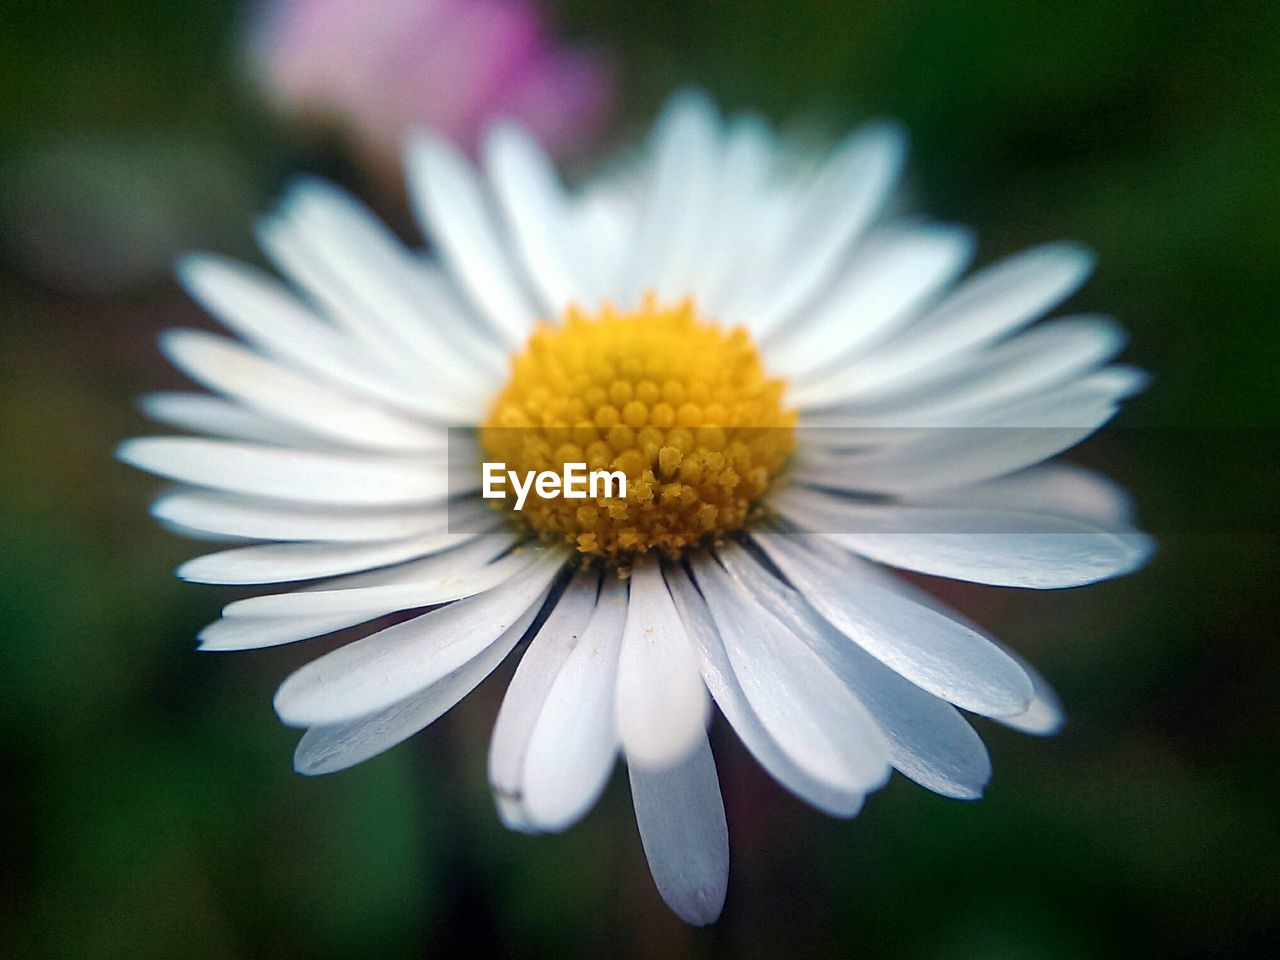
x=1060 y=488
x=798 y=698
x=929 y=741
x=297 y=400
x=685 y=837
x=990 y=304
x=829 y=794
x=329 y=749
x=403 y=373
x=837 y=207
x=684 y=150
x=662 y=702
x=384 y=284
x=254 y=633
x=533 y=200
x=286 y=562
x=737 y=194
x=201 y=413
x=935 y=653
x=527 y=694
x=233 y=516
x=1049 y=355
x=889 y=278
x=267 y=315
x=573 y=745
x=452 y=205
x=1044 y=716
x=983 y=545
x=373 y=674
x=302 y=476
x=968 y=452
x=605 y=212
x=239 y=631
x=455 y=577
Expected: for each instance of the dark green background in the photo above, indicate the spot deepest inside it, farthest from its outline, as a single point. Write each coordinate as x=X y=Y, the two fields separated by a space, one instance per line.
x=147 y=806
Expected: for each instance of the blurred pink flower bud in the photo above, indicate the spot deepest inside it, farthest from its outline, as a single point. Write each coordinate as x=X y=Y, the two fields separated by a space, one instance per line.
x=379 y=68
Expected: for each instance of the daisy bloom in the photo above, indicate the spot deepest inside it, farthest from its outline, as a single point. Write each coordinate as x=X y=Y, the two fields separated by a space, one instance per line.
x=381 y=67
x=800 y=392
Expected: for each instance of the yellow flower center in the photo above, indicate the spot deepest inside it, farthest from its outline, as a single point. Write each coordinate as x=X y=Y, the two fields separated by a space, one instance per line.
x=682 y=407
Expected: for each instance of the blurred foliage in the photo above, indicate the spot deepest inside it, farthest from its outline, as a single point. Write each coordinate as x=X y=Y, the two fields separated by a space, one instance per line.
x=148 y=807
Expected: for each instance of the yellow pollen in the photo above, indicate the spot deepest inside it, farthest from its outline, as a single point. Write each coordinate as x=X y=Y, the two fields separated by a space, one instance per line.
x=683 y=407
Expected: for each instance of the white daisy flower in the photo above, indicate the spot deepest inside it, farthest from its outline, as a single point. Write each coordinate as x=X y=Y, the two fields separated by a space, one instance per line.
x=758 y=349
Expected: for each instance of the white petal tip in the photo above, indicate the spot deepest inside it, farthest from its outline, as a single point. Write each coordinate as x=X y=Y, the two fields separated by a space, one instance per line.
x=691 y=98
x=890 y=135
x=173 y=340
x=699 y=908
x=132 y=452
x=295 y=711
x=197 y=571
x=427 y=147
x=1044 y=718
x=189 y=267
x=308 y=764
x=290 y=716
x=1074 y=258
x=505 y=132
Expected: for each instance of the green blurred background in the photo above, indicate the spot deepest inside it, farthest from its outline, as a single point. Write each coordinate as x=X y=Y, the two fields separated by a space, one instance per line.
x=147 y=805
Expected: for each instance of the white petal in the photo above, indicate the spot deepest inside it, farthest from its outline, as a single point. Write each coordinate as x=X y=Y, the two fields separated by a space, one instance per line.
x=805 y=707
x=264 y=313
x=233 y=516
x=937 y=654
x=285 y=562
x=254 y=633
x=301 y=476
x=527 y=694
x=891 y=275
x=684 y=150
x=202 y=413
x=1044 y=716
x=738 y=192
x=279 y=393
x=455 y=574
x=841 y=202
x=298 y=250
x=429 y=564
x=983 y=545
x=434 y=288
x=823 y=793
x=1060 y=488
x=453 y=208
x=329 y=749
x=929 y=741
x=533 y=199
x=1049 y=354
x=997 y=443
x=686 y=840
x=385 y=287
x=678 y=263
x=572 y=747
x=605 y=211
x=991 y=304
x=662 y=704
x=1119 y=380
x=240 y=632
x=373 y=674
